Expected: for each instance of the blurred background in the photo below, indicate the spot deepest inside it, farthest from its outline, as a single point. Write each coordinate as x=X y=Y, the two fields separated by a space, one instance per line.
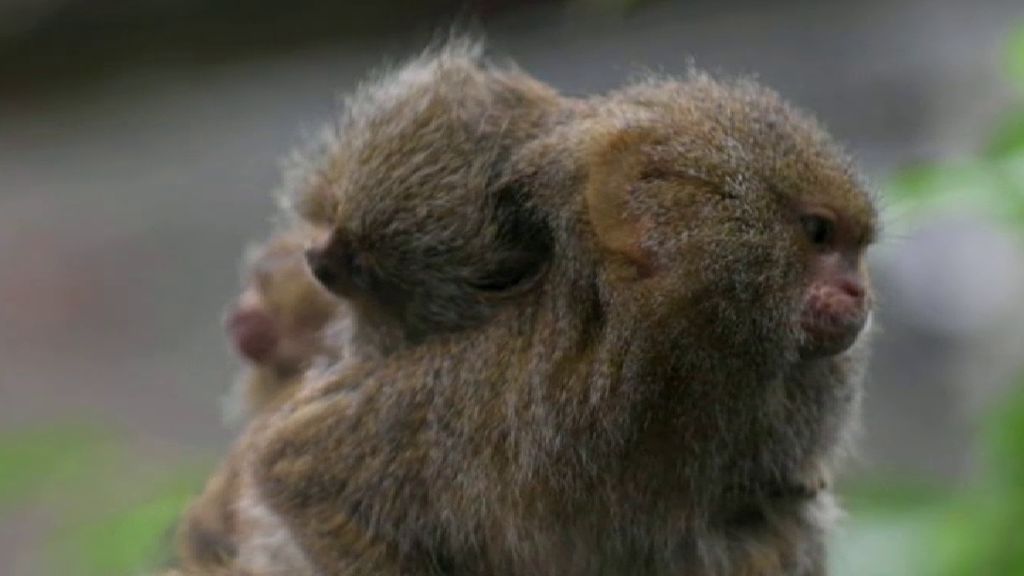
x=139 y=147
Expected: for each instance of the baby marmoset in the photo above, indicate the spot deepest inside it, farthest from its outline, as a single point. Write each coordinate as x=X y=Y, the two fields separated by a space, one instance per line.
x=281 y=322
x=446 y=121
x=635 y=349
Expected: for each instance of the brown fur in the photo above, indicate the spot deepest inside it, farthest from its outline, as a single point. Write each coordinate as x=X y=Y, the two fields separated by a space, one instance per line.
x=449 y=109
x=617 y=387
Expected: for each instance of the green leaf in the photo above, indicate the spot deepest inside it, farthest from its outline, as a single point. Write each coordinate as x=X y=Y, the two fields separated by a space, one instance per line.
x=1015 y=56
x=961 y=182
x=1009 y=136
x=1006 y=443
x=133 y=540
x=31 y=461
x=990 y=187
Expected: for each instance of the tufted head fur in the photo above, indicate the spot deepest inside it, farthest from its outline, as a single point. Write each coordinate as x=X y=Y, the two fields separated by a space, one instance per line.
x=411 y=181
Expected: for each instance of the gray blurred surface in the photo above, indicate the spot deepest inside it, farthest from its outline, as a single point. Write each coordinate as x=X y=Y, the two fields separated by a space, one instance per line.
x=125 y=205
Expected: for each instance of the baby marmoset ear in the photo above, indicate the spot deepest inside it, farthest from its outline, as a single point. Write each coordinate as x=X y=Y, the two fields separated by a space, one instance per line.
x=518 y=244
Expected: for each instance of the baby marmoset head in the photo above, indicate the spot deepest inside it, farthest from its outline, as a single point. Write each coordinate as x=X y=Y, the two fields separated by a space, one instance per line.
x=403 y=207
x=283 y=323
x=427 y=232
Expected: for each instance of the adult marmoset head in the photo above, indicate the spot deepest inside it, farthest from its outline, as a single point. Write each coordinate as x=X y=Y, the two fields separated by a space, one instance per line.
x=722 y=200
x=730 y=234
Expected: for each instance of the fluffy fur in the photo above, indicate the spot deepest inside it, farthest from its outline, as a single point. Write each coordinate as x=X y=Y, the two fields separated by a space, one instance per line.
x=587 y=318
x=445 y=121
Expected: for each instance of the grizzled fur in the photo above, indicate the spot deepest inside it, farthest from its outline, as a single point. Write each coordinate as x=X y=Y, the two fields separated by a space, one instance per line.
x=445 y=122
x=600 y=367
x=426 y=149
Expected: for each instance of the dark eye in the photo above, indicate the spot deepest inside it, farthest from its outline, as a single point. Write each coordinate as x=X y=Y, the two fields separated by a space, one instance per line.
x=820 y=230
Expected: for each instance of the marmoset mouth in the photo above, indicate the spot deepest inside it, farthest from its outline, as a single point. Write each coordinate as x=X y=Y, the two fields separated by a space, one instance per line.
x=831 y=322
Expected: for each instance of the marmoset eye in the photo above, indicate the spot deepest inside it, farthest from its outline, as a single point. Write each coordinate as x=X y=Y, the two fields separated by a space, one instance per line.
x=820 y=230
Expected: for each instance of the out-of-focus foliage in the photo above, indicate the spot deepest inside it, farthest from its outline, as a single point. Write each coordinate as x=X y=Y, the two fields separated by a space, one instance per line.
x=992 y=183
x=1009 y=138
x=976 y=531
x=130 y=540
x=107 y=520
x=1015 y=57
x=31 y=461
x=984 y=526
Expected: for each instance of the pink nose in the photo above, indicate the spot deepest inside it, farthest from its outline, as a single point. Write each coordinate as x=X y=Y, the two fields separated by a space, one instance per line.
x=254 y=333
x=852 y=288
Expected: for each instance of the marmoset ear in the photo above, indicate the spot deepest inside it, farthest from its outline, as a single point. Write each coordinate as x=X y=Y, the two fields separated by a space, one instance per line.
x=614 y=160
x=520 y=248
